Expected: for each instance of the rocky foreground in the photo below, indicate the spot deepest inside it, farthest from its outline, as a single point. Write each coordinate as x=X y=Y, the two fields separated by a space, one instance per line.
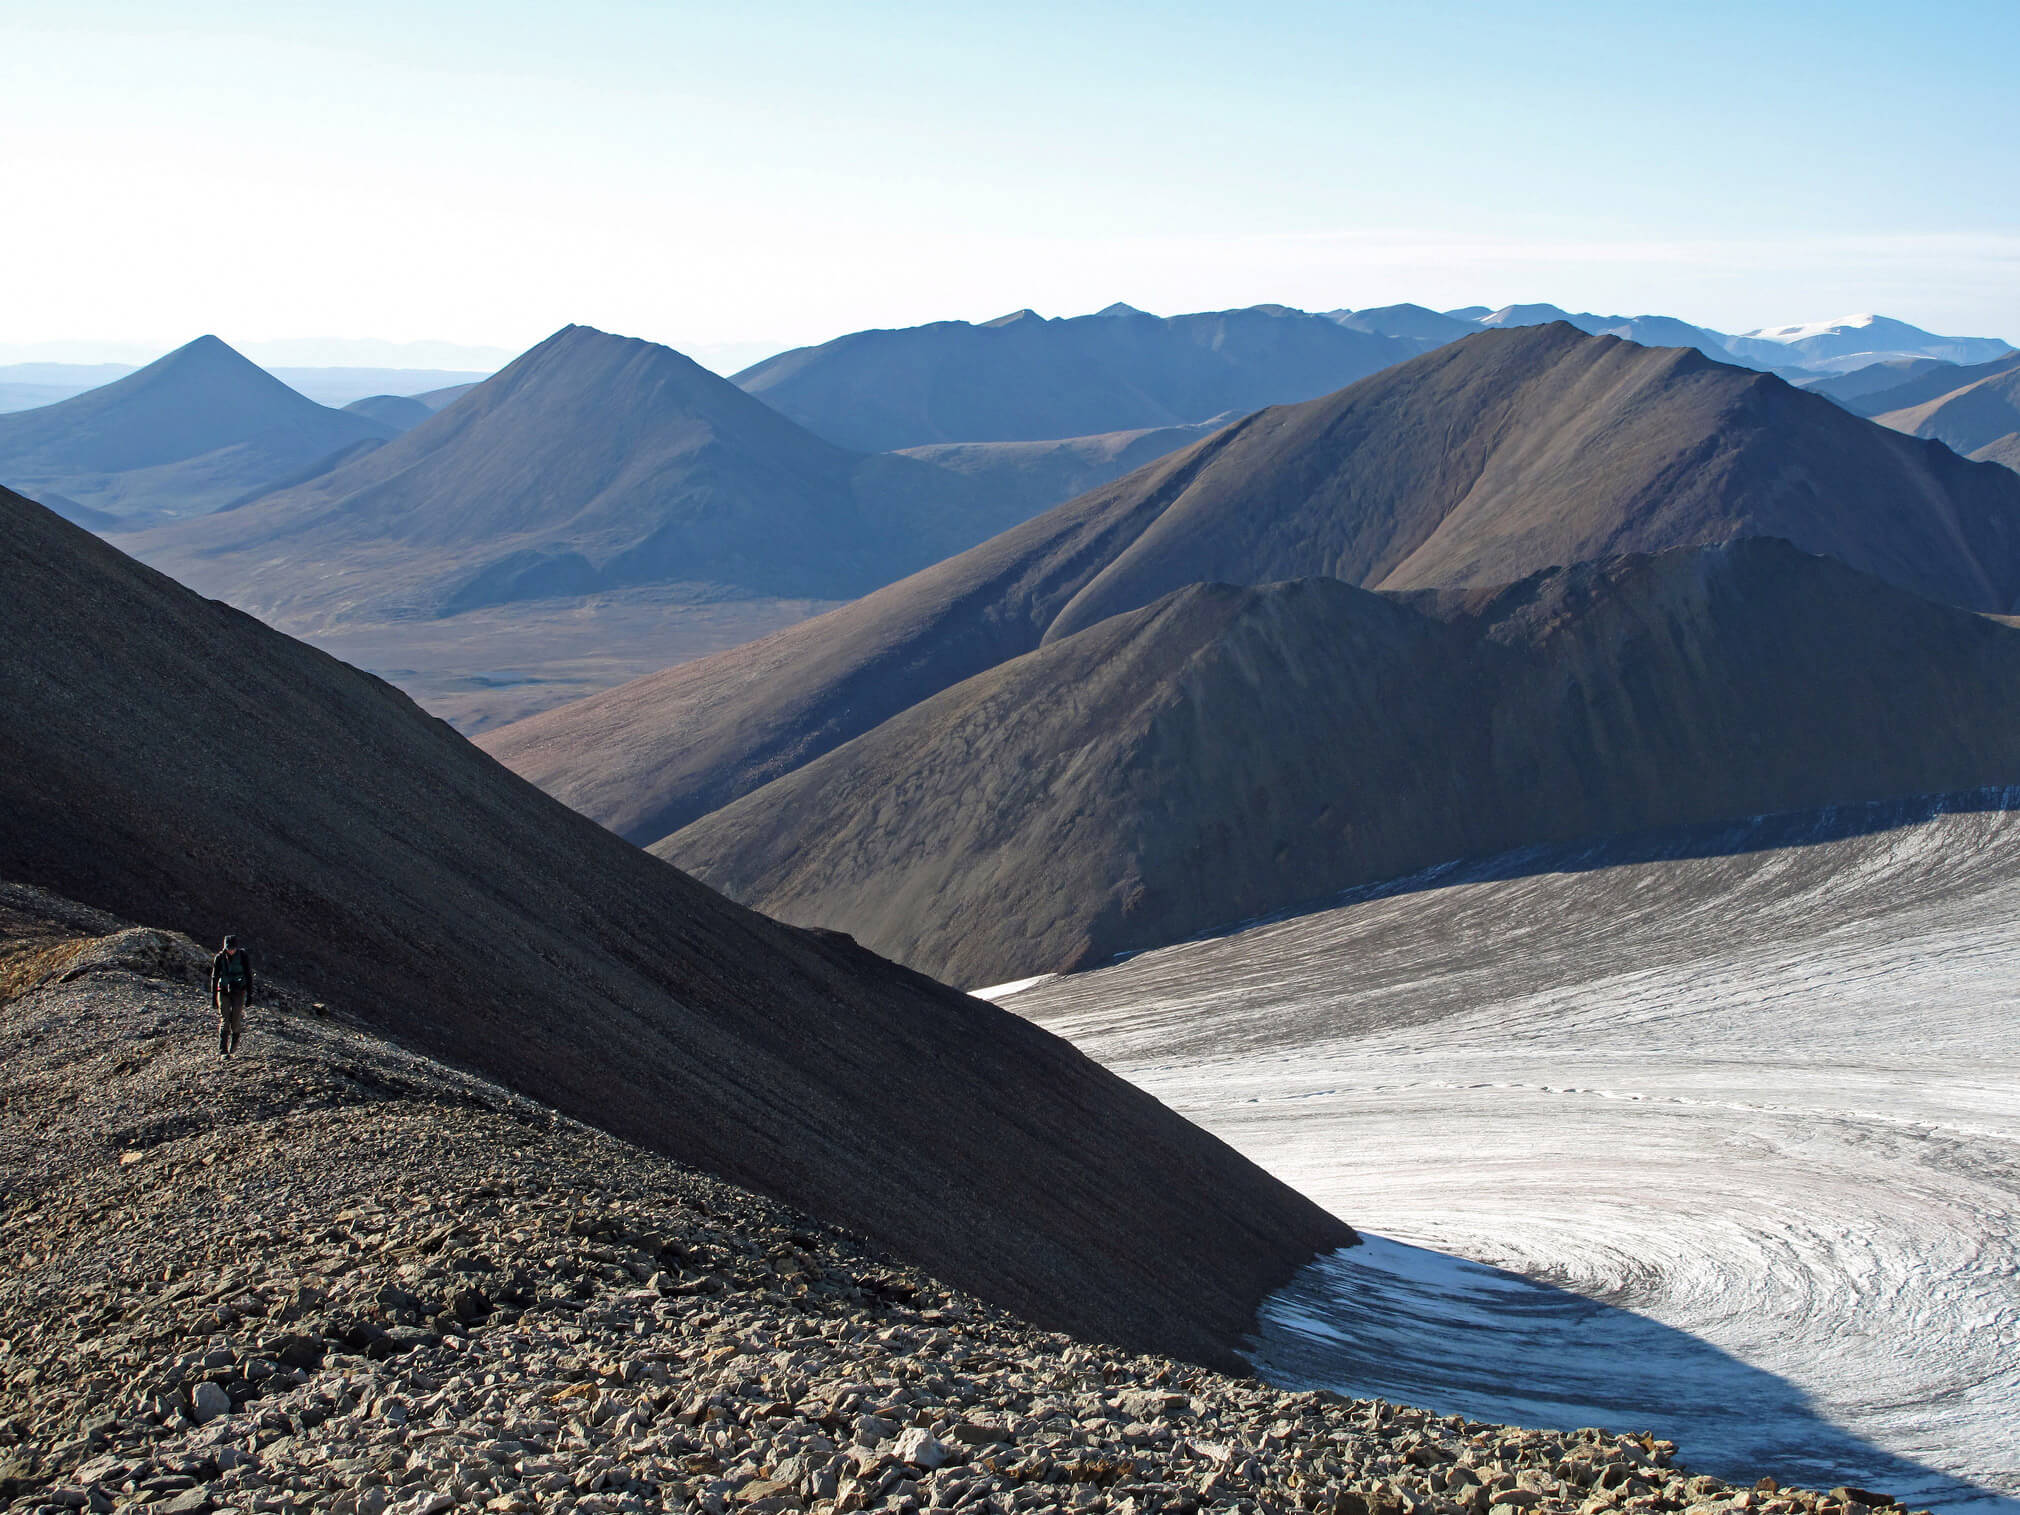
x=329 y=1275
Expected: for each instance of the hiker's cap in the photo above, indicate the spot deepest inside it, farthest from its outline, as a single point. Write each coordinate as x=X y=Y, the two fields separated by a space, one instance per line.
x=231 y=941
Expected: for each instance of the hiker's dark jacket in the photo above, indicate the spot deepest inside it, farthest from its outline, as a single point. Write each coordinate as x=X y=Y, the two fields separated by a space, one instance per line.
x=223 y=972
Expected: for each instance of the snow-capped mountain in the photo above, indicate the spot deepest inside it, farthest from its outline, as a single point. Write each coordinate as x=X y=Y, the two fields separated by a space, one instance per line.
x=1818 y=347
x=1855 y=341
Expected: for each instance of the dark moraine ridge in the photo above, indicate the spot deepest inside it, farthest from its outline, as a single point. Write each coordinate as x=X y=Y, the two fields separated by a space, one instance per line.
x=1225 y=753
x=169 y=758
x=1480 y=463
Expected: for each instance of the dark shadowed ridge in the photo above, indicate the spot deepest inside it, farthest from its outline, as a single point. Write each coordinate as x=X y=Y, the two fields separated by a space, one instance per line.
x=188 y=433
x=1224 y=753
x=1022 y=378
x=1480 y=463
x=168 y=757
x=591 y=462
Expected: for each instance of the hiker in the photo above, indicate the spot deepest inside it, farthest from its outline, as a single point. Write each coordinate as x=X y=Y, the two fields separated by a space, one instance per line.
x=231 y=985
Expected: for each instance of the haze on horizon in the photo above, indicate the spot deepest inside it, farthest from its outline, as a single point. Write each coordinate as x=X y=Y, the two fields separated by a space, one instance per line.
x=734 y=182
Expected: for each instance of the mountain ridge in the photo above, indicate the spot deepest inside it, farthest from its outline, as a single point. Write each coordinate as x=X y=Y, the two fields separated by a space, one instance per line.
x=1022 y=377
x=1224 y=753
x=189 y=766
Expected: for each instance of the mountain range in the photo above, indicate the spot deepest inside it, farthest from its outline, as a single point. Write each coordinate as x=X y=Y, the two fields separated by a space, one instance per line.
x=1479 y=464
x=192 y=432
x=1022 y=378
x=590 y=463
x=1834 y=347
x=168 y=753
x=1856 y=341
x=579 y=476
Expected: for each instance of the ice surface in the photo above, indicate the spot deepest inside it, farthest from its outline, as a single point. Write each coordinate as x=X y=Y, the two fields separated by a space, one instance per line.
x=1738 y=1114
x=1015 y=986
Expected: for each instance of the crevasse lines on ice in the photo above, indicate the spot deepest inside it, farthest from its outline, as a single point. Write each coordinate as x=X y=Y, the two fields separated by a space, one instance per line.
x=1741 y=1103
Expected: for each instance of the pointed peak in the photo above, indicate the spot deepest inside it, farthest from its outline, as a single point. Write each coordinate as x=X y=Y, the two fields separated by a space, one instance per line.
x=574 y=334
x=1119 y=310
x=576 y=344
x=210 y=361
x=206 y=349
x=1014 y=317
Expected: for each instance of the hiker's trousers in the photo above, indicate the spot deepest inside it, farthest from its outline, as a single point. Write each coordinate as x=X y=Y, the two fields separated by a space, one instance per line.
x=230 y=1017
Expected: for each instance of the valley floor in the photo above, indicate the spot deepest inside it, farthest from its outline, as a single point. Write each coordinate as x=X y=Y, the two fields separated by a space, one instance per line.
x=485 y=668
x=1738 y=1115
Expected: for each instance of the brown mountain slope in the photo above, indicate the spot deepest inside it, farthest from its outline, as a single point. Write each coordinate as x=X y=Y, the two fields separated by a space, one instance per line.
x=1967 y=418
x=1228 y=752
x=167 y=756
x=1487 y=460
x=1925 y=384
x=1484 y=461
x=2005 y=451
x=591 y=463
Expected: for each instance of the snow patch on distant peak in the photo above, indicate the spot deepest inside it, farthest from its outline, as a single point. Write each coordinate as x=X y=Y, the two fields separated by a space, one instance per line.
x=1811 y=329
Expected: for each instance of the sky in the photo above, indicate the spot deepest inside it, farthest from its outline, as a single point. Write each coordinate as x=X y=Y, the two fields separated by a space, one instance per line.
x=732 y=180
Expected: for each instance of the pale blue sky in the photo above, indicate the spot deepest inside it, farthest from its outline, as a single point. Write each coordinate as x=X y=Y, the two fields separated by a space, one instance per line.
x=777 y=173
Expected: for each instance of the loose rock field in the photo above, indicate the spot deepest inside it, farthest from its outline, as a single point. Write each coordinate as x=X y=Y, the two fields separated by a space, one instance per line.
x=328 y=1275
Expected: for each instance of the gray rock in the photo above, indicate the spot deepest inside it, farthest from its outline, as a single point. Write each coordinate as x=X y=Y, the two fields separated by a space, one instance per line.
x=207 y=1401
x=922 y=1449
x=871 y=1429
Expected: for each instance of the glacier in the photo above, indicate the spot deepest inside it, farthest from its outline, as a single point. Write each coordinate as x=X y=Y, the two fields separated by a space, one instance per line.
x=1713 y=1133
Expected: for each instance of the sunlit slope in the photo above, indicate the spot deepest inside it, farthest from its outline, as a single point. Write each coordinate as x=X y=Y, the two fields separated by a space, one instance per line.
x=1226 y=751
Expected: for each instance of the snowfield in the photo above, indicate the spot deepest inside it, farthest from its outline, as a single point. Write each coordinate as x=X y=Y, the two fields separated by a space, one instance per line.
x=1716 y=1135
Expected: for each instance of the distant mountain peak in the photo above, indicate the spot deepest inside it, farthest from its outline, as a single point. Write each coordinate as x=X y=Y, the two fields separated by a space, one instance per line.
x=207 y=353
x=1027 y=314
x=1118 y=309
x=1804 y=329
x=199 y=400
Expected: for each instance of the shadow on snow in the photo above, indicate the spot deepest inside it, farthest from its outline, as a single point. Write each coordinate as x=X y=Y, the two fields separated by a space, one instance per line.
x=1419 y=1327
